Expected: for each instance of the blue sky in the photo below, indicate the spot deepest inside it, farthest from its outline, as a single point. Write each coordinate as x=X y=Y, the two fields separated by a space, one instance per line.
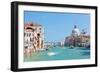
x=58 y=25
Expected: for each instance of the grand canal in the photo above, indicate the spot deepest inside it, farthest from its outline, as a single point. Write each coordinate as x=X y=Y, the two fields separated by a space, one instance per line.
x=59 y=53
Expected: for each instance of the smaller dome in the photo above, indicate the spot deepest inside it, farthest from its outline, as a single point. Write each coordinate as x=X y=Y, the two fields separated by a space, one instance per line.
x=83 y=32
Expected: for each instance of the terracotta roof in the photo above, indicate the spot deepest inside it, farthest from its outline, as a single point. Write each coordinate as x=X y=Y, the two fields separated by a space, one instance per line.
x=32 y=24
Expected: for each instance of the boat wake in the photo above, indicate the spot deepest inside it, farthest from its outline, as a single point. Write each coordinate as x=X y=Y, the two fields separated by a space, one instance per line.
x=51 y=53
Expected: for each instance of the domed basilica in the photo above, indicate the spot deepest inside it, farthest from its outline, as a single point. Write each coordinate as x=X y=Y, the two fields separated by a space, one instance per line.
x=75 y=31
x=77 y=38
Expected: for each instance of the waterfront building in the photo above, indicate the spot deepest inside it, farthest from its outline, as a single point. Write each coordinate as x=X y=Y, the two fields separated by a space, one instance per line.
x=77 y=38
x=62 y=42
x=33 y=37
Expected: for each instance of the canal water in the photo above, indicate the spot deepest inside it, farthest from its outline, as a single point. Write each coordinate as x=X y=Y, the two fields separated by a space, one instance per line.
x=59 y=53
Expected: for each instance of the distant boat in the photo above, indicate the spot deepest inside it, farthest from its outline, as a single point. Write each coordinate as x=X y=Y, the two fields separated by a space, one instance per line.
x=71 y=47
x=46 y=49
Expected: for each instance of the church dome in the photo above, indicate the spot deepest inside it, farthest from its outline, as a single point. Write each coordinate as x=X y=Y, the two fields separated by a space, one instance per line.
x=75 y=31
